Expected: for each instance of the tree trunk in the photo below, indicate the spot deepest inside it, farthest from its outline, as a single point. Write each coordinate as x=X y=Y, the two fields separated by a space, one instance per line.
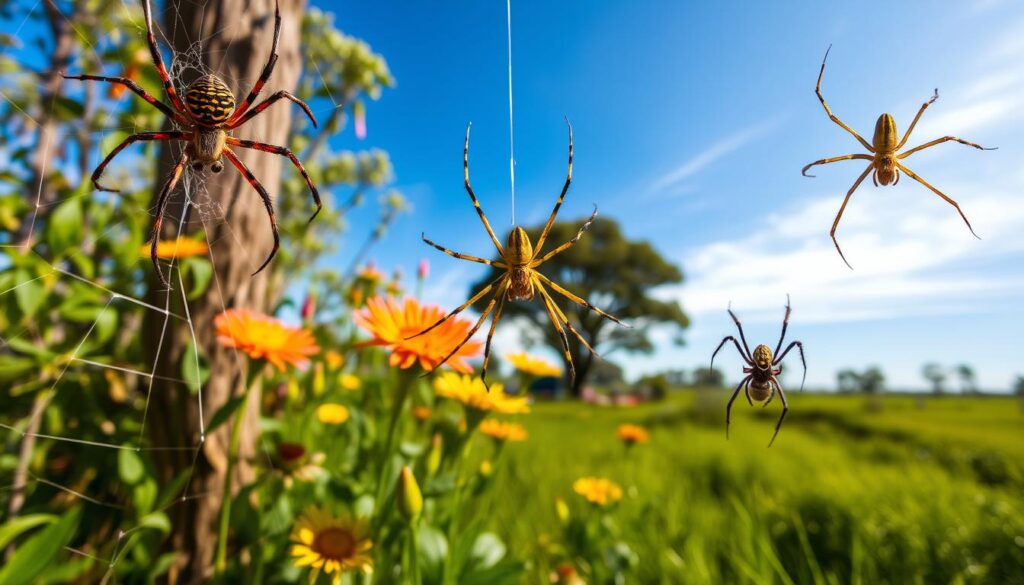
x=236 y=38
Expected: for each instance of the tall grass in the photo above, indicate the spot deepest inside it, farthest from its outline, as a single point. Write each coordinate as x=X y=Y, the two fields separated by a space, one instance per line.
x=905 y=494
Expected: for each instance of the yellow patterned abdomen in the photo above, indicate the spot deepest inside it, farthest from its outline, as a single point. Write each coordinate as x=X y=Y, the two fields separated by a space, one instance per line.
x=209 y=101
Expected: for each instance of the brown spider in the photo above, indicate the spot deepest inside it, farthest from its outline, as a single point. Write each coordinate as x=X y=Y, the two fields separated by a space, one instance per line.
x=520 y=259
x=762 y=371
x=207 y=114
x=885 y=156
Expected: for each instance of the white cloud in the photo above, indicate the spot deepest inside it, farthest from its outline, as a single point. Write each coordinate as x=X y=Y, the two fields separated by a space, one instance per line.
x=716 y=151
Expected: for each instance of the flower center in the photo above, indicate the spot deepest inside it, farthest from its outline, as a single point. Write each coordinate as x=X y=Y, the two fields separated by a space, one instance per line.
x=335 y=543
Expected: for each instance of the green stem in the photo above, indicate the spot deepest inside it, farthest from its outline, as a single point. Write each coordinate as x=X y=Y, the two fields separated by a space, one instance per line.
x=414 y=557
x=406 y=379
x=225 y=506
x=449 y=559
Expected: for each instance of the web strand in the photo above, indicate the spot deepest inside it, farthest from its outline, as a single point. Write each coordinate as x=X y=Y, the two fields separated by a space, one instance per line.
x=511 y=125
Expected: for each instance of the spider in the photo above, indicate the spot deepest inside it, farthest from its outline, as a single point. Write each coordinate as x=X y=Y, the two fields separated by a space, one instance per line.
x=520 y=259
x=207 y=114
x=885 y=156
x=762 y=371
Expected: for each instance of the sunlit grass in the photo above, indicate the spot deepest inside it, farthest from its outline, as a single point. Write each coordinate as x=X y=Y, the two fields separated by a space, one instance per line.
x=847 y=494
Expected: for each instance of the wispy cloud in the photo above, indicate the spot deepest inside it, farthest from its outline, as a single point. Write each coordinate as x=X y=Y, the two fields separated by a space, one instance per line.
x=716 y=151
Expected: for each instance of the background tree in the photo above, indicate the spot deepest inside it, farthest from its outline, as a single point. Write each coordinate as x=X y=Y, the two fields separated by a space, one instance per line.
x=872 y=381
x=968 y=379
x=848 y=380
x=707 y=377
x=935 y=375
x=1018 y=386
x=612 y=272
x=236 y=40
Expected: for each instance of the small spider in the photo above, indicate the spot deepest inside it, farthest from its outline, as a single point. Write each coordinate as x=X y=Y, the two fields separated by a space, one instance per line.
x=520 y=259
x=207 y=114
x=762 y=371
x=885 y=156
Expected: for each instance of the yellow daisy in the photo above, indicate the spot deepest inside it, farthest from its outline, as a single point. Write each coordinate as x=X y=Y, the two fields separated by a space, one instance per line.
x=597 y=490
x=471 y=392
x=350 y=382
x=533 y=366
x=333 y=544
x=331 y=413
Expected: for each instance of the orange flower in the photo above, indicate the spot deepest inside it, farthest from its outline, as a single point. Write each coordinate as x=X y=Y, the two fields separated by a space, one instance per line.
x=391 y=323
x=632 y=434
x=264 y=337
x=421 y=413
x=502 y=431
x=181 y=247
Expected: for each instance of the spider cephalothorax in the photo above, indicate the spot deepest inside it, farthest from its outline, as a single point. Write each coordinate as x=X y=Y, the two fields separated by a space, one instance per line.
x=885 y=156
x=521 y=281
x=207 y=115
x=762 y=370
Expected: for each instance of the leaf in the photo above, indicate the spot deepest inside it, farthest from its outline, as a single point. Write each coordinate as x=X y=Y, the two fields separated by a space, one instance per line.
x=65 y=226
x=488 y=549
x=39 y=552
x=193 y=376
x=67 y=109
x=433 y=549
x=506 y=573
x=13 y=528
x=156 y=521
x=224 y=413
x=14 y=367
x=202 y=273
x=130 y=466
x=29 y=293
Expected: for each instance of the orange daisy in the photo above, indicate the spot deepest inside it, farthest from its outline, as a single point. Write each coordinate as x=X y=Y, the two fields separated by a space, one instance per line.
x=181 y=247
x=264 y=337
x=391 y=323
x=502 y=431
x=632 y=434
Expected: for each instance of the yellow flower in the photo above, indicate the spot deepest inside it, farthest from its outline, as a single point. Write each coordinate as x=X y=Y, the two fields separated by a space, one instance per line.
x=181 y=247
x=632 y=434
x=331 y=413
x=333 y=544
x=264 y=337
x=334 y=359
x=503 y=431
x=350 y=382
x=392 y=324
x=471 y=392
x=597 y=490
x=533 y=366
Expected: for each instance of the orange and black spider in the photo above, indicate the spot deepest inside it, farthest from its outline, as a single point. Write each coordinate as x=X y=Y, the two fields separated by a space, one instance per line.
x=207 y=114
x=885 y=156
x=520 y=259
x=762 y=371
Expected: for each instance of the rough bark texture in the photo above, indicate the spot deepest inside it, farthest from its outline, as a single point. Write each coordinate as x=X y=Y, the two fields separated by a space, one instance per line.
x=236 y=37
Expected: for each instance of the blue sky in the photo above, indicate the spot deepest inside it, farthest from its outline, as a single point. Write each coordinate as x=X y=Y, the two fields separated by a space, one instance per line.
x=692 y=122
x=691 y=126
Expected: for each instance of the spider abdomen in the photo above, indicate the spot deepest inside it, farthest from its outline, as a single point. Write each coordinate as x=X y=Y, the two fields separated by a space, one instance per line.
x=209 y=101
x=760 y=390
x=520 y=285
x=886 y=137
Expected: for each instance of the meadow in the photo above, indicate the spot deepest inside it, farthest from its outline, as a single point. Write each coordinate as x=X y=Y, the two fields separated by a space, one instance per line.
x=897 y=489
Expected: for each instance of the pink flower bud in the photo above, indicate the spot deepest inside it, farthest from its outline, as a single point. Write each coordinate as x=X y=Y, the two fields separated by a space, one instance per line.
x=424 y=269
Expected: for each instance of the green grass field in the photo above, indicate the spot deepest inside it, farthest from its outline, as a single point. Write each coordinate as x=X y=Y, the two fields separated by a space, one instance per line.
x=901 y=490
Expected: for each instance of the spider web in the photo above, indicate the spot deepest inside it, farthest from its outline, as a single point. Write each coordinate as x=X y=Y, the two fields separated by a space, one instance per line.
x=197 y=205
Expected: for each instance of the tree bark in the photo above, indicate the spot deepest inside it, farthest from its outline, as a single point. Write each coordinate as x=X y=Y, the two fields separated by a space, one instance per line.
x=236 y=38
